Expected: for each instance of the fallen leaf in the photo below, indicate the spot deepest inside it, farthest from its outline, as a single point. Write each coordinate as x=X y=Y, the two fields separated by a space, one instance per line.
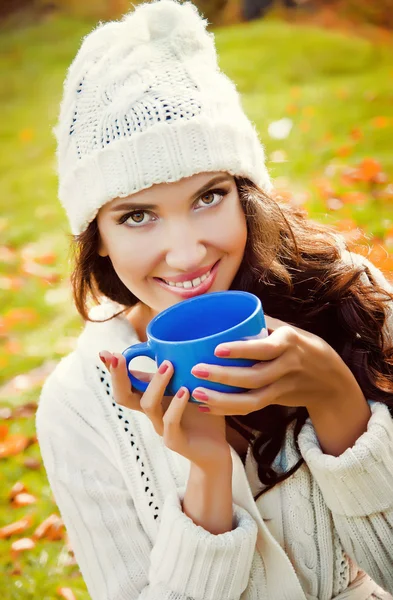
x=3 y=431
x=24 y=315
x=369 y=168
x=5 y=413
x=32 y=463
x=357 y=133
x=26 y=135
x=21 y=546
x=45 y=526
x=56 y=531
x=344 y=151
x=66 y=593
x=25 y=410
x=380 y=122
x=12 y=284
x=13 y=444
x=24 y=500
x=17 y=488
x=354 y=197
x=8 y=255
x=16 y=527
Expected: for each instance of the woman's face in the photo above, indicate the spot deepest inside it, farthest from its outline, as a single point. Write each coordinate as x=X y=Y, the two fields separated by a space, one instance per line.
x=175 y=240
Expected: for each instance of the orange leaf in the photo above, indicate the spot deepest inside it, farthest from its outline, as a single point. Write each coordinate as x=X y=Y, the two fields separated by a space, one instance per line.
x=45 y=526
x=22 y=545
x=24 y=500
x=3 y=431
x=13 y=346
x=357 y=198
x=17 y=488
x=378 y=255
x=16 y=527
x=344 y=151
x=356 y=133
x=32 y=463
x=20 y=315
x=380 y=122
x=66 y=593
x=12 y=284
x=369 y=168
x=8 y=255
x=13 y=444
x=56 y=531
x=26 y=135
x=49 y=258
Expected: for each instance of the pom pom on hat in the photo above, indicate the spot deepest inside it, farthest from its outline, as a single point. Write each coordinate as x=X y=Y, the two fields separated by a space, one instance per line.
x=144 y=102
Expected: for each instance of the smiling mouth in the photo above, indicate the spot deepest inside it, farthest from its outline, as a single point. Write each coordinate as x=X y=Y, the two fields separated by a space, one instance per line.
x=188 y=287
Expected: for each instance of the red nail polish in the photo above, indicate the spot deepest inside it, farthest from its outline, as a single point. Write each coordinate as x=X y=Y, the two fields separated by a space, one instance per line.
x=200 y=372
x=181 y=393
x=163 y=368
x=223 y=352
x=199 y=395
x=115 y=361
x=204 y=408
x=102 y=358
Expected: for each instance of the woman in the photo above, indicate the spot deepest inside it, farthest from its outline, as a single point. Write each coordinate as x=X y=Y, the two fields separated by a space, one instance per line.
x=283 y=492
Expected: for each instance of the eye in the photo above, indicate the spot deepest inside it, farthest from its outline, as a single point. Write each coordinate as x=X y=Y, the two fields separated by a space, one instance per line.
x=211 y=198
x=136 y=218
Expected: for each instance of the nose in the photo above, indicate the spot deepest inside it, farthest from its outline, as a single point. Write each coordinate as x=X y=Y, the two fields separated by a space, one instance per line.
x=186 y=250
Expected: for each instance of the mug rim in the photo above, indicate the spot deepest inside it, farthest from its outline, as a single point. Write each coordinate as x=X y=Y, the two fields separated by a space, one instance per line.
x=258 y=306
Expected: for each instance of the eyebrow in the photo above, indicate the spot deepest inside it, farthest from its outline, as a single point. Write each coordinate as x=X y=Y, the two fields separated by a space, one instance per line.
x=130 y=204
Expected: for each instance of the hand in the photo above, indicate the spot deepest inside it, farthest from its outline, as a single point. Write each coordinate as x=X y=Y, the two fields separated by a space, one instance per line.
x=296 y=368
x=185 y=430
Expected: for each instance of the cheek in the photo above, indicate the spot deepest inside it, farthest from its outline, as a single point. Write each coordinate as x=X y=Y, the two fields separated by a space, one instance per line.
x=232 y=230
x=132 y=258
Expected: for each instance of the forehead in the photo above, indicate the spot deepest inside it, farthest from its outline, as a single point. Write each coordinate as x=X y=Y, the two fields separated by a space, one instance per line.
x=184 y=188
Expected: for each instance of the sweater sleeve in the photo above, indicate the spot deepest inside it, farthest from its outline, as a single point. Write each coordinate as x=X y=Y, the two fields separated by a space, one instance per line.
x=358 y=489
x=117 y=558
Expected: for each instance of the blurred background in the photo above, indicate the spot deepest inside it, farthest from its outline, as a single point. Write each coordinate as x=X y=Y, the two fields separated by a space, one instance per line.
x=316 y=78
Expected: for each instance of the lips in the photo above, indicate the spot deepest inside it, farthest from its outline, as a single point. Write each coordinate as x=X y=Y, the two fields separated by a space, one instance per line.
x=191 y=290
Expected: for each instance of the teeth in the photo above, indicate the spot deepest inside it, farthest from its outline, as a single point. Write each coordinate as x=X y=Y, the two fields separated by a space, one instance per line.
x=188 y=284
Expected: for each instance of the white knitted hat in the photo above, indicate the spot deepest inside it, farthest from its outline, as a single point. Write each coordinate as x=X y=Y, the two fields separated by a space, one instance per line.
x=144 y=102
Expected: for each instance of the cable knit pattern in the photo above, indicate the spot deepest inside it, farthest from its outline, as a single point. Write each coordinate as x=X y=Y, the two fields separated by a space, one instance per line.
x=328 y=528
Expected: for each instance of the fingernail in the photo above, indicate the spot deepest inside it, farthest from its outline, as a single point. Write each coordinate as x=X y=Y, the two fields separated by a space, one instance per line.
x=115 y=361
x=222 y=351
x=181 y=393
x=199 y=372
x=163 y=368
x=203 y=408
x=199 y=395
x=102 y=358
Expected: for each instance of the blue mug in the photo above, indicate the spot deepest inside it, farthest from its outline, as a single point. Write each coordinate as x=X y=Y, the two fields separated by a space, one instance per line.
x=188 y=332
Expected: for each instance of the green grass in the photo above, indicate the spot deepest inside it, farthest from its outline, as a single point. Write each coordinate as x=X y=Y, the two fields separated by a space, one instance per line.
x=327 y=83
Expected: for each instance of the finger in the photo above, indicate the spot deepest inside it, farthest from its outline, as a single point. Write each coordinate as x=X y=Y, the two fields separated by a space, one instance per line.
x=259 y=375
x=122 y=390
x=242 y=403
x=151 y=401
x=174 y=435
x=260 y=349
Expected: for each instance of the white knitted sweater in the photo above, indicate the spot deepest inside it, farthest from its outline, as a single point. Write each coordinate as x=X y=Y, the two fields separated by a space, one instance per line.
x=326 y=532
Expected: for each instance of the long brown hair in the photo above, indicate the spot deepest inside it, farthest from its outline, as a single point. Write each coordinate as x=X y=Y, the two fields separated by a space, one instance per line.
x=295 y=267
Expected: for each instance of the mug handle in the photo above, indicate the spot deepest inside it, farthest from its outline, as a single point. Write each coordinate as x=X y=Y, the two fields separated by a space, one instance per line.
x=142 y=349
